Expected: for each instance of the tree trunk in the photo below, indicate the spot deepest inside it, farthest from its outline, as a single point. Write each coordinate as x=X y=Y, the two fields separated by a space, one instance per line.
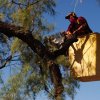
x=56 y=78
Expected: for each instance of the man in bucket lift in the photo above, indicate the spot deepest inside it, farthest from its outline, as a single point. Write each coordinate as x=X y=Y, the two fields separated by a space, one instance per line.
x=78 y=26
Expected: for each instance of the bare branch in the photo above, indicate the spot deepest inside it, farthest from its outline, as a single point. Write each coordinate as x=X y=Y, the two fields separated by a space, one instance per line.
x=7 y=60
x=26 y=36
x=20 y=4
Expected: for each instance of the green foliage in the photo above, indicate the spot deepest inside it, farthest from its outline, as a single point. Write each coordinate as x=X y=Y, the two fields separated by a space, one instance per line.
x=1 y=81
x=16 y=45
x=62 y=60
x=33 y=75
x=15 y=84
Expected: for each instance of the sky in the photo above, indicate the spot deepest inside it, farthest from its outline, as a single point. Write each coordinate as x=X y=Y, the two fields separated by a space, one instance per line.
x=90 y=9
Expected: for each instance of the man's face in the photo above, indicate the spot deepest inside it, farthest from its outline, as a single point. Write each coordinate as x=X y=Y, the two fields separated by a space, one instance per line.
x=71 y=18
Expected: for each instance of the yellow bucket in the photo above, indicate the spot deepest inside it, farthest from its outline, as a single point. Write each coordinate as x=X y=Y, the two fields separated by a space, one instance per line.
x=84 y=57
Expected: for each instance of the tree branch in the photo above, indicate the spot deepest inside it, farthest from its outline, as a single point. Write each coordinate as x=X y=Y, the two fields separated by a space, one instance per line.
x=56 y=79
x=26 y=36
x=6 y=61
x=18 y=3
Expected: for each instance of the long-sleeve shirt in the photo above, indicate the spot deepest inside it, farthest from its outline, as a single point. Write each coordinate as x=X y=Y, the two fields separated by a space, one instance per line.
x=79 y=26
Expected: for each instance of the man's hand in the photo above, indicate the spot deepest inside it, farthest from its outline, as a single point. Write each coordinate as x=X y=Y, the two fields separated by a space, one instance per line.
x=68 y=35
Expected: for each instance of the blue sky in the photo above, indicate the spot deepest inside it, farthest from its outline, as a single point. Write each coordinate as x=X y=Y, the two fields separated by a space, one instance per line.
x=89 y=9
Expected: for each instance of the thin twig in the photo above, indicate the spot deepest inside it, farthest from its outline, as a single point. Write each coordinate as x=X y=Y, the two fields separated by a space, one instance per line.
x=21 y=4
x=7 y=60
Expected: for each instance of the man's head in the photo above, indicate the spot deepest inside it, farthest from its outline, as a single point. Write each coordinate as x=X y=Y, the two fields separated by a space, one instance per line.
x=72 y=14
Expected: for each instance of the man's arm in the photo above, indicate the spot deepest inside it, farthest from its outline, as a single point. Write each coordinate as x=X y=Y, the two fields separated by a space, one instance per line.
x=80 y=28
x=83 y=26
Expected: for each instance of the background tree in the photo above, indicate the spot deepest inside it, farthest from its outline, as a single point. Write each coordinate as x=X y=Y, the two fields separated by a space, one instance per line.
x=33 y=63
